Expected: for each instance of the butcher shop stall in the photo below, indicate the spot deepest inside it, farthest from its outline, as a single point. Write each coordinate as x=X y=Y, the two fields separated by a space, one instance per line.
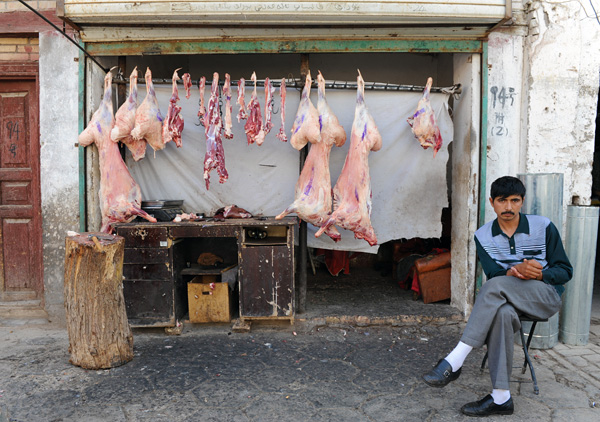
x=263 y=169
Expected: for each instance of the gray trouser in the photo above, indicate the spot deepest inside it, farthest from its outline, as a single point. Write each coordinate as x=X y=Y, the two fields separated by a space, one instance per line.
x=495 y=319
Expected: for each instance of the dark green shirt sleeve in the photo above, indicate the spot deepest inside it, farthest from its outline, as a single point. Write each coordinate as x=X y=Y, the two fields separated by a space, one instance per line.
x=489 y=266
x=559 y=269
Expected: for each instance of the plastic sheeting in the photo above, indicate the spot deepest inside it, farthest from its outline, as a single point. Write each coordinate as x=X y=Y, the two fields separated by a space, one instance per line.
x=409 y=186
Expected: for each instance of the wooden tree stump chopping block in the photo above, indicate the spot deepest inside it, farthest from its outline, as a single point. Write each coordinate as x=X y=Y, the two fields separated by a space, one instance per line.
x=99 y=333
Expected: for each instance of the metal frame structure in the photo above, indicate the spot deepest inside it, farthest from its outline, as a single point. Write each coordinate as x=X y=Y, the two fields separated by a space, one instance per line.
x=301 y=47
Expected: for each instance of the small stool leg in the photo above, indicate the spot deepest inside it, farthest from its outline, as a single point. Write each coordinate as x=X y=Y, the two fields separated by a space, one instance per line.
x=483 y=362
x=536 y=390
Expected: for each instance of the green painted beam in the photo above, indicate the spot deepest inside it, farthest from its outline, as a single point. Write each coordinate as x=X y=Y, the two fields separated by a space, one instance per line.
x=82 y=196
x=482 y=153
x=302 y=46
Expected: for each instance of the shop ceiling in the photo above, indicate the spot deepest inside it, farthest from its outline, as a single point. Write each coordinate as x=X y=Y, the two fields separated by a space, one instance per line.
x=110 y=27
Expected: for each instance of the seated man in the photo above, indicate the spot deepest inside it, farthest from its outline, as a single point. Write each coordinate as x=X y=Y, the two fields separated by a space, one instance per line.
x=526 y=267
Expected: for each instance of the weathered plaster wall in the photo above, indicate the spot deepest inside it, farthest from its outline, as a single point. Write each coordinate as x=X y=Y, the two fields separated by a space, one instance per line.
x=59 y=91
x=504 y=111
x=465 y=179
x=543 y=94
x=564 y=61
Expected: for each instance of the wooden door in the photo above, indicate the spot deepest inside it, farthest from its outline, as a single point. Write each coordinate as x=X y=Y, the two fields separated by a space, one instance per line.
x=266 y=281
x=20 y=203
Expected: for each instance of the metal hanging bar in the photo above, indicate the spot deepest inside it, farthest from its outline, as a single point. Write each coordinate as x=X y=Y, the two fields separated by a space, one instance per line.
x=64 y=34
x=454 y=90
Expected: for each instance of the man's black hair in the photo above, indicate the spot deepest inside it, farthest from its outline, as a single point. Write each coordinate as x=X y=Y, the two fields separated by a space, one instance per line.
x=506 y=186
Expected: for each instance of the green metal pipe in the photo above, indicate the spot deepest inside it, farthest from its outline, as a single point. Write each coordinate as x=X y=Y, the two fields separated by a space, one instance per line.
x=82 y=210
x=482 y=153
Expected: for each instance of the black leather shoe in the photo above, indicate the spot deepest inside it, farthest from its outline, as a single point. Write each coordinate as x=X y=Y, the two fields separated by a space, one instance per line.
x=487 y=407
x=441 y=375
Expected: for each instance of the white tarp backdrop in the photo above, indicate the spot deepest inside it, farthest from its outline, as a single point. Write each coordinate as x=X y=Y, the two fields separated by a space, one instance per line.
x=409 y=186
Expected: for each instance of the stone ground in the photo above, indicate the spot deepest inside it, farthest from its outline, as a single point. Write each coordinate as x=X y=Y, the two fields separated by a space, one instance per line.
x=357 y=363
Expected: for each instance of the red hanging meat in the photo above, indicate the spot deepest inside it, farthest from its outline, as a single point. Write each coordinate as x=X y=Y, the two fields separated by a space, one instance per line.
x=148 y=119
x=120 y=195
x=268 y=112
x=202 y=109
x=253 y=126
x=281 y=135
x=306 y=127
x=313 y=190
x=173 y=123
x=423 y=123
x=187 y=84
x=228 y=109
x=215 y=156
x=240 y=100
x=352 y=192
x=125 y=121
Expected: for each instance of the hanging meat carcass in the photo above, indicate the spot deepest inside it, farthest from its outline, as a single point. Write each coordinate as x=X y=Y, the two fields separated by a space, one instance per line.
x=313 y=190
x=281 y=135
x=173 y=123
x=423 y=123
x=215 y=156
x=202 y=109
x=120 y=195
x=331 y=130
x=228 y=109
x=187 y=84
x=306 y=127
x=125 y=121
x=352 y=192
x=268 y=125
x=240 y=100
x=253 y=126
x=148 y=119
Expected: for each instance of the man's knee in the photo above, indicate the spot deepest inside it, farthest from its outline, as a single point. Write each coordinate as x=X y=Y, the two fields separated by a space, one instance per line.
x=507 y=311
x=507 y=314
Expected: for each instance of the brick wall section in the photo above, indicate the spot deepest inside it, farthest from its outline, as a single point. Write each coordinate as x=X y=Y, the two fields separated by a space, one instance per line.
x=15 y=6
x=21 y=49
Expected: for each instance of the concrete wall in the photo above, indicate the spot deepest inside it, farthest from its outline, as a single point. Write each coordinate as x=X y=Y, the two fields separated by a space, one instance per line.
x=505 y=155
x=547 y=62
x=543 y=70
x=59 y=116
x=465 y=179
x=564 y=63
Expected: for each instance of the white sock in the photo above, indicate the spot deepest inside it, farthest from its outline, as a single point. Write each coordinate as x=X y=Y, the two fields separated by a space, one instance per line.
x=457 y=357
x=500 y=396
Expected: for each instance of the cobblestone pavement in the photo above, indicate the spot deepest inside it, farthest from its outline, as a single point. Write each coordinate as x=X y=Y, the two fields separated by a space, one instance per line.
x=329 y=373
x=361 y=362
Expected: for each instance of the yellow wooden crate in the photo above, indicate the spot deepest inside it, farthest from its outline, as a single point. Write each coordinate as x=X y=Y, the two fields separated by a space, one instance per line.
x=209 y=302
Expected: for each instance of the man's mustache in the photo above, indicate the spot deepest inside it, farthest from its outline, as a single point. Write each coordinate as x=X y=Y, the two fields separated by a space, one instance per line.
x=508 y=213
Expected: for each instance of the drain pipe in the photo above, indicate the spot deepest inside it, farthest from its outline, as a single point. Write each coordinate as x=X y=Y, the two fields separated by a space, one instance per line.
x=544 y=197
x=582 y=234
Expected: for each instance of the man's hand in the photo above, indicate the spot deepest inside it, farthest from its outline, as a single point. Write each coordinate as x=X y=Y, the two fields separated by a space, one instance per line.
x=527 y=270
x=513 y=271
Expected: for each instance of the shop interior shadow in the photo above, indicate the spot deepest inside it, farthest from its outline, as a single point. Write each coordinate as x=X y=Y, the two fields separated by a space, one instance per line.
x=371 y=286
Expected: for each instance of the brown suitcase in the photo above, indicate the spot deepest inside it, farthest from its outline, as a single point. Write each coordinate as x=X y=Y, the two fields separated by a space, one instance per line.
x=433 y=273
x=433 y=262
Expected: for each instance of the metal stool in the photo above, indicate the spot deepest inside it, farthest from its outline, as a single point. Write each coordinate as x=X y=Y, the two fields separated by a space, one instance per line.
x=534 y=321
